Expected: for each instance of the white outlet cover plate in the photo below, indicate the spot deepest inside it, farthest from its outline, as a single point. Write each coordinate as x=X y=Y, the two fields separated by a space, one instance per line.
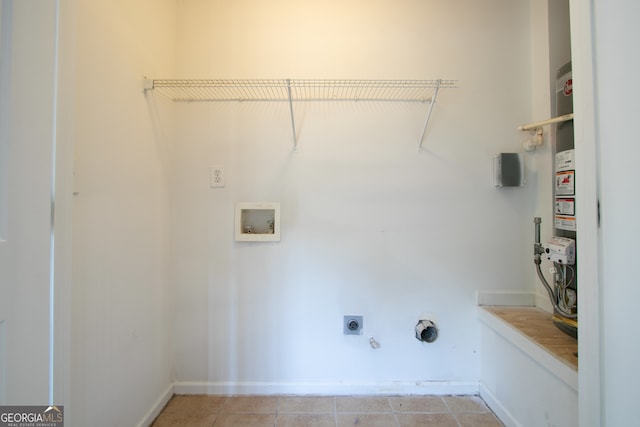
x=217 y=176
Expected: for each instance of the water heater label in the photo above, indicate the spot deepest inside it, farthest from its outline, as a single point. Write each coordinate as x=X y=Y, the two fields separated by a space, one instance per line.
x=565 y=183
x=566 y=206
x=565 y=160
x=565 y=222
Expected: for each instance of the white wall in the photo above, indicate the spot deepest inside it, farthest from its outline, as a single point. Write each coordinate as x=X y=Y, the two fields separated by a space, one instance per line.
x=27 y=56
x=615 y=35
x=121 y=321
x=370 y=225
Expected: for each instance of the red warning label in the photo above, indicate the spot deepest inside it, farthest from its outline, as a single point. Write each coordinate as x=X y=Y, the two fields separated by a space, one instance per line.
x=565 y=183
x=565 y=206
x=568 y=87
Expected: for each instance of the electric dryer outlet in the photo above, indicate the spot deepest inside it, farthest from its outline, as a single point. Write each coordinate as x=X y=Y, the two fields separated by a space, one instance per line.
x=352 y=325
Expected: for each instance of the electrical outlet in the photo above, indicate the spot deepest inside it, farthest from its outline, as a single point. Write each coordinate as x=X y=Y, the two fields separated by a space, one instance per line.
x=217 y=176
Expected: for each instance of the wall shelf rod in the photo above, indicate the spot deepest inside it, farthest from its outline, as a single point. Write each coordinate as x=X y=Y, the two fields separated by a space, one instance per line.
x=534 y=126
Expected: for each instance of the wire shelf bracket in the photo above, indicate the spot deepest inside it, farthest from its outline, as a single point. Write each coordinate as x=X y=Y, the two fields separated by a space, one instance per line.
x=293 y=120
x=297 y=90
x=431 y=105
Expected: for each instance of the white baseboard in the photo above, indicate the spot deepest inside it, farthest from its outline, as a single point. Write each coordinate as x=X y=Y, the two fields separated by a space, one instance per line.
x=441 y=388
x=505 y=297
x=157 y=407
x=501 y=412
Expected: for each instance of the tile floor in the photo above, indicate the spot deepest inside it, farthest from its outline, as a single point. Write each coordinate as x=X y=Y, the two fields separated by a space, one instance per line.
x=325 y=411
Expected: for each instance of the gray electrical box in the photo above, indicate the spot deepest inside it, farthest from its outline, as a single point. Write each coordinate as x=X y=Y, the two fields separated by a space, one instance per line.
x=508 y=170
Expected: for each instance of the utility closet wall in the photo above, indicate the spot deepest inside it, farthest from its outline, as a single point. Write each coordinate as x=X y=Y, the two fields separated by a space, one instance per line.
x=121 y=350
x=370 y=225
x=27 y=95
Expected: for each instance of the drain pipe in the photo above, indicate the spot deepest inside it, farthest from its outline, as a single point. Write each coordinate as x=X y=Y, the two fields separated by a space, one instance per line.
x=538 y=250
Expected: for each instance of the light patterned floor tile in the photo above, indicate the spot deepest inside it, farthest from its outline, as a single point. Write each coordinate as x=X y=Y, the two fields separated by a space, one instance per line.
x=478 y=420
x=254 y=404
x=326 y=411
x=194 y=404
x=425 y=404
x=306 y=420
x=466 y=404
x=431 y=420
x=366 y=420
x=362 y=404
x=184 y=420
x=306 y=404
x=245 y=420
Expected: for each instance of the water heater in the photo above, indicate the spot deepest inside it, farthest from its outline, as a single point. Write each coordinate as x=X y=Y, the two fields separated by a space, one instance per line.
x=564 y=189
x=561 y=249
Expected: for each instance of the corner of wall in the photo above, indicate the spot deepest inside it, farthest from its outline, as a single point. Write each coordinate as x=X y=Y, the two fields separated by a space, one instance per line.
x=157 y=407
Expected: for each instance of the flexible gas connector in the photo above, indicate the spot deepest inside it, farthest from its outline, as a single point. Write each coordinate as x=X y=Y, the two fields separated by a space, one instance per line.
x=538 y=250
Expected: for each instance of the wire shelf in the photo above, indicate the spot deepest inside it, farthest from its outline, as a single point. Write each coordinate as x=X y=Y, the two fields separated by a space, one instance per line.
x=186 y=90
x=294 y=90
